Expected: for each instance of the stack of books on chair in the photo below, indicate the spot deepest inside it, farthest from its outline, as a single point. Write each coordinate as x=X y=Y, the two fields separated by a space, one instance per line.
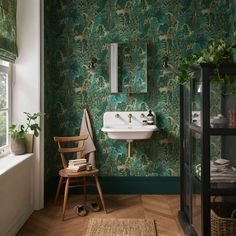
x=77 y=165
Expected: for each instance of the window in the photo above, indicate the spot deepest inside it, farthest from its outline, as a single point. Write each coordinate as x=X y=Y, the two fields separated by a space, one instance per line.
x=4 y=105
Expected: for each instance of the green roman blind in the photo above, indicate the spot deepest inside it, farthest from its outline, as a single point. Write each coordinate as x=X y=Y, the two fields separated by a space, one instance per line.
x=8 y=48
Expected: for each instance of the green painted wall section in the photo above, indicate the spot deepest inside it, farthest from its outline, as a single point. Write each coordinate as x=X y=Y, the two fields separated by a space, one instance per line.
x=77 y=30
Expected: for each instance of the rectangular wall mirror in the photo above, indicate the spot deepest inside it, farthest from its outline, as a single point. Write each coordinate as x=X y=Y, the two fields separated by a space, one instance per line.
x=128 y=67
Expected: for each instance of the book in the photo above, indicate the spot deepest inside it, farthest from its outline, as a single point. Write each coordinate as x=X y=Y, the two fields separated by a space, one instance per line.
x=77 y=161
x=77 y=168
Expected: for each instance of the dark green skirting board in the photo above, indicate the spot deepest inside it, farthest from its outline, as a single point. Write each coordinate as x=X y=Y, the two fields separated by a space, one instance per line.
x=140 y=185
x=125 y=185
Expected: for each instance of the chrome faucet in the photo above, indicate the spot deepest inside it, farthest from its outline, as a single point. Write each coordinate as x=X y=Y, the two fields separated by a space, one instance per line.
x=130 y=116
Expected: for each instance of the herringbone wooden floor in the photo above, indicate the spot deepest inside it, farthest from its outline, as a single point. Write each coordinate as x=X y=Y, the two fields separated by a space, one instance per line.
x=162 y=208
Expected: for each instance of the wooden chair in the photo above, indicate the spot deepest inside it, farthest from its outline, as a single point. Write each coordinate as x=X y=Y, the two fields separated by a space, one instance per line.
x=74 y=179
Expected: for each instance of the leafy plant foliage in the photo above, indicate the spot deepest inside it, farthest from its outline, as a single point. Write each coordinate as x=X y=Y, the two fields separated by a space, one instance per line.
x=19 y=131
x=217 y=53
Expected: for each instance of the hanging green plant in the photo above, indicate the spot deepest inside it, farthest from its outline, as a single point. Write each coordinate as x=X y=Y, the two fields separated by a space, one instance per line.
x=217 y=53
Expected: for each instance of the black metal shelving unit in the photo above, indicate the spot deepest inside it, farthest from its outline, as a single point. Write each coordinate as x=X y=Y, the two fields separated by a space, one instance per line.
x=202 y=95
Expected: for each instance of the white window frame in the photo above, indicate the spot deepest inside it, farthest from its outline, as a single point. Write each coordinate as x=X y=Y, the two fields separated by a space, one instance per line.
x=4 y=150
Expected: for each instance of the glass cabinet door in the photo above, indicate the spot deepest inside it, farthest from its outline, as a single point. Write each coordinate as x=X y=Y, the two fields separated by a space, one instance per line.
x=222 y=105
x=196 y=183
x=195 y=99
x=192 y=152
x=186 y=156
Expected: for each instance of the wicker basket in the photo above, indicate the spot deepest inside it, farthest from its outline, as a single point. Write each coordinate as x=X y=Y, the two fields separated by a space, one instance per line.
x=223 y=221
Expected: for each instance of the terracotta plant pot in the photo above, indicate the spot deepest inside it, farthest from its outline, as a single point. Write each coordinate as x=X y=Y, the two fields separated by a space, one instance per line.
x=18 y=146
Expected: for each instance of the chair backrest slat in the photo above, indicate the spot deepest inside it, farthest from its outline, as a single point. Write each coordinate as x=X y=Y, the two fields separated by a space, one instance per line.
x=68 y=150
x=72 y=139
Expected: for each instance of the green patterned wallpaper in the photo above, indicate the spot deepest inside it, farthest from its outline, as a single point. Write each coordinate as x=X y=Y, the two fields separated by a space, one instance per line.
x=77 y=30
x=8 y=48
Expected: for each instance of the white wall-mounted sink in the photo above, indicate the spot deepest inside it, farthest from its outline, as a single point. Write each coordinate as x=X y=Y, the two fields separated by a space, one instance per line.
x=130 y=132
x=127 y=125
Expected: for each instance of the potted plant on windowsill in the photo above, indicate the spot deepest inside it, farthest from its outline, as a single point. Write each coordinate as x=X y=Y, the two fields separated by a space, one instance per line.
x=22 y=136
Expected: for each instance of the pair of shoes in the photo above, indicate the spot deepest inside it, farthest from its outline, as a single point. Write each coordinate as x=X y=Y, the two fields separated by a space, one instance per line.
x=80 y=210
x=93 y=206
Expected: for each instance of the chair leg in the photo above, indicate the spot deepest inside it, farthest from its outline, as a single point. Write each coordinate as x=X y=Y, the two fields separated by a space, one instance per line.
x=58 y=188
x=65 y=197
x=100 y=192
x=85 y=189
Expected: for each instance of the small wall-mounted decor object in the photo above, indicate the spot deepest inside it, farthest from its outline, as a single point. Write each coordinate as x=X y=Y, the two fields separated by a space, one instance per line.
x=165 y=61
x=128 y=67
x=92 y=63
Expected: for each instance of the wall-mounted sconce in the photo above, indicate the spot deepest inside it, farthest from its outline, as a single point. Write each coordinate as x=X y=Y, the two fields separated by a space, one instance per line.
x=93 y=63
x=165 y=61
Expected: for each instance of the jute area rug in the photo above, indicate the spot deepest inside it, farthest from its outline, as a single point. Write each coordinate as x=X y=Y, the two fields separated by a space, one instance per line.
x=121 y=227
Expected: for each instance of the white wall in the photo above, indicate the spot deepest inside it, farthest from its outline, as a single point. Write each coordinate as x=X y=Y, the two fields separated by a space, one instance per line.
x=26 y=92
x=16 y=192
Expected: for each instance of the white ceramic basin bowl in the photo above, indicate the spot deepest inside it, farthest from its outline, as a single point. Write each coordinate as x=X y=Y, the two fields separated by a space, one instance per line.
x=128 y=125
x=130 y=132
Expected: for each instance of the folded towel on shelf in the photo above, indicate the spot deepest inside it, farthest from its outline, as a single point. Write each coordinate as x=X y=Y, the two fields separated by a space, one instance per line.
x=89 y=147
x=223 y=179
x=221 y=161
x=221 y=171
x=220 y=165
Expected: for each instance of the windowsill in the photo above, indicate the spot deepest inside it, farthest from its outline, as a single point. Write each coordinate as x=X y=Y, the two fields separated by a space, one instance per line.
x=10 y=161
